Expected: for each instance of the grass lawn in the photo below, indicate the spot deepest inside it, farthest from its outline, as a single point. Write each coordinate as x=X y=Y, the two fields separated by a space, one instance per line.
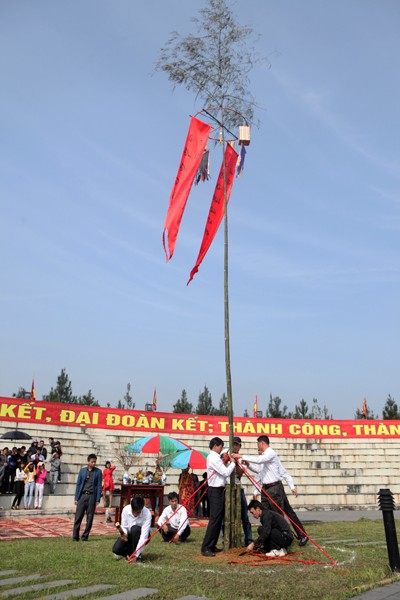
x=179 y=570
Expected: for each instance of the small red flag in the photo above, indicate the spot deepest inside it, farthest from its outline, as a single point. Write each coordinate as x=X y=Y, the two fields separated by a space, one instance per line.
x=33 y=391
x=155 y=400
x=364 y=408
x=255 y=407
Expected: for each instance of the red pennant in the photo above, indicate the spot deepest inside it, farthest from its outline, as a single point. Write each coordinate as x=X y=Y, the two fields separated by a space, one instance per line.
x=196 y=141
x=217 y=208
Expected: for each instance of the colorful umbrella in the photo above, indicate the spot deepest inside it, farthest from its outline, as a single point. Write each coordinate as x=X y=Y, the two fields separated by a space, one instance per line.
x=195 y=459
x=156 y=444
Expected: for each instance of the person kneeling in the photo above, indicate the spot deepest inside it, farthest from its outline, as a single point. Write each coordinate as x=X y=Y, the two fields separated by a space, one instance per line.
x=135 y=522
x=274 y=534
x=173 y=522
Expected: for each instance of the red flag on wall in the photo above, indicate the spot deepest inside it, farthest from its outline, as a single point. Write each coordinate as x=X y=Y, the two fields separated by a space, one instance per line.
x=255 y=407
x=33 y=391
x=217 y=206
x=364 y=408
x=155 y=399
x=196 y=141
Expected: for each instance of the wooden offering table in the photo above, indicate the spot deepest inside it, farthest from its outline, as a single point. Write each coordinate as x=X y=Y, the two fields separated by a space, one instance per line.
x=153 y=498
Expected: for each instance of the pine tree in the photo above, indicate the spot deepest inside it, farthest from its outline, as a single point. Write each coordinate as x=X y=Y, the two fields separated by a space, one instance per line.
x=204 y=403
x=130 y=405
x=63 y=390
x=301 y=410
x=274 y=410
x=183 y=406
x=223 y=406
x=88 y=399
x=390 y=410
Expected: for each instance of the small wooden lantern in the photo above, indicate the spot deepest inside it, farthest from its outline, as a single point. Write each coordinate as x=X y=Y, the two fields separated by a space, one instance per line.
x=244 y=135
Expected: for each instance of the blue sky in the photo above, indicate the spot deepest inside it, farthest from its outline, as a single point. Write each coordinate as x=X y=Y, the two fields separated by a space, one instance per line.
x=91 y=141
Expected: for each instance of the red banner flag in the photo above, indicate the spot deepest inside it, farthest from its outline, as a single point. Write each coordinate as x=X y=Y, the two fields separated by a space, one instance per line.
x=33 y=391
x=195 y=144
x=217 y=208
x=155 y=400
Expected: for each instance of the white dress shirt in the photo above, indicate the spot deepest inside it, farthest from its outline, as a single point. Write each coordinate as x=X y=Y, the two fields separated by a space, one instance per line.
x=178 y=521
x=269 y=468
x=217 y=472
x=143 y=520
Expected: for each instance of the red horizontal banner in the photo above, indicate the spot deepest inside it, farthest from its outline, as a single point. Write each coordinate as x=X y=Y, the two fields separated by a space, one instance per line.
x=53 y=413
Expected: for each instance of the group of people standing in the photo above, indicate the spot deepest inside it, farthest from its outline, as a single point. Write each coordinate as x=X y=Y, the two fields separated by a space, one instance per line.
x=23 y=472
x=279 y=524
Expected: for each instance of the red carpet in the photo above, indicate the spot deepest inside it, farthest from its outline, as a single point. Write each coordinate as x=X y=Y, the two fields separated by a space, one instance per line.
x=10 y=529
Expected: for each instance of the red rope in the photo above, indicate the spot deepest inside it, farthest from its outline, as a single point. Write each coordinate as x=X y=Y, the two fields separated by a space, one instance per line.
x=168 y=520
x=260 y=488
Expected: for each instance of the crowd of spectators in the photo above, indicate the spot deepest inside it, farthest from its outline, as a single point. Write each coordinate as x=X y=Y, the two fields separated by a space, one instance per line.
x=23 y=472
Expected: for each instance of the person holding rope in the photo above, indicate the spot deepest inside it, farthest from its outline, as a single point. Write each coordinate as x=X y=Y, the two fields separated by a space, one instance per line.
x=270 y=474
x=173 y=523
x=274 y=535
x=217 y=473
x=135 y=523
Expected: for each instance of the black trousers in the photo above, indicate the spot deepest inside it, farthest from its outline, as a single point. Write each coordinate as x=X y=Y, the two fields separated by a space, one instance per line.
x=292 y=515
x=19 y=492
x=172 y=532
x=127 y=548
x=216 y=499
x=277 y=494
x=86 y=504
x=276 y=539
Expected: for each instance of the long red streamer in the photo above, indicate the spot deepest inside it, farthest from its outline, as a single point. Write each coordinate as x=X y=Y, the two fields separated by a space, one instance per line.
x=217 y=208
x=196 y=141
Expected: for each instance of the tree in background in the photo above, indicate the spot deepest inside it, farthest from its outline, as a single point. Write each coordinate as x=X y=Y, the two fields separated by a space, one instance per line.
x=183 y=406
x=22 y=393
x=87 y=399
x=301 y=410
x=319 y=413
x=63 y=390
x=274 y=410
x=63 y=393
x=204 y=403
x=223 y=406
x=246 y=413
x=390 y=410
x=128 y=400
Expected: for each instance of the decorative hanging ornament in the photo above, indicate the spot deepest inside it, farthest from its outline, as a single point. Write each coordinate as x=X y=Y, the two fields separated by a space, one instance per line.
x=203 y=172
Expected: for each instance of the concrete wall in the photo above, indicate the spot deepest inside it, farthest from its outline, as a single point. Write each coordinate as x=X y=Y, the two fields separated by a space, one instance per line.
x=331 y=474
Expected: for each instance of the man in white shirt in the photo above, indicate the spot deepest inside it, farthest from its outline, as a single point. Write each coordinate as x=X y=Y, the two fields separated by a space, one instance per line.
x=270 y=474
x=173 y=522
x=217 y=473
x=135 y=521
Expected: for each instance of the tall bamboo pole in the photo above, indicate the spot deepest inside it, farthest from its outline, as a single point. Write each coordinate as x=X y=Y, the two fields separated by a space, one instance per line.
x=229 y=532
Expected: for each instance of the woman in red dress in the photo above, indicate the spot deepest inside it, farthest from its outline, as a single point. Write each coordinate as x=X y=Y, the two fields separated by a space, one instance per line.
x=186 y=489
x=108 y=483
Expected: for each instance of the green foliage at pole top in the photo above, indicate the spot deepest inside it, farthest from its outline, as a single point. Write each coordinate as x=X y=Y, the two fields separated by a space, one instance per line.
x=215 y=62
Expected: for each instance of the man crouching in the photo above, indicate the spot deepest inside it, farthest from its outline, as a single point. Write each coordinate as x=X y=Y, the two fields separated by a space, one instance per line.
x=274 y=535
x=173 y=522
x=135 y=522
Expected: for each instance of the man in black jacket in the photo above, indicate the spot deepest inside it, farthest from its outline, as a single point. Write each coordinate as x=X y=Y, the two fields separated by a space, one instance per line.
x=274 y=534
